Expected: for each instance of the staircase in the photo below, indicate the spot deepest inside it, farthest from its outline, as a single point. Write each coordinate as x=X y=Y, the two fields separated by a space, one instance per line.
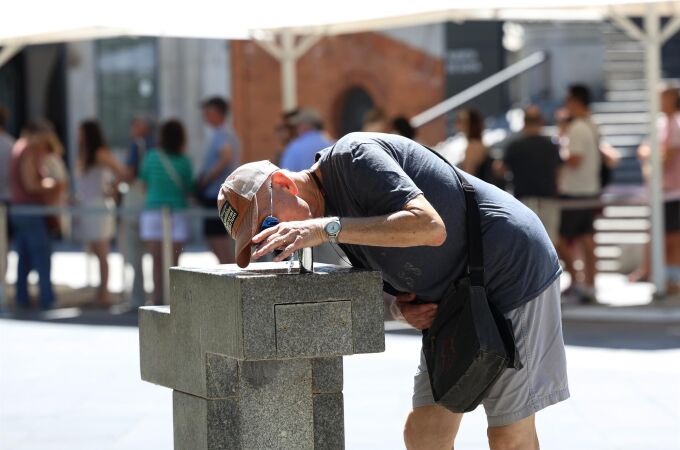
x=623 y=120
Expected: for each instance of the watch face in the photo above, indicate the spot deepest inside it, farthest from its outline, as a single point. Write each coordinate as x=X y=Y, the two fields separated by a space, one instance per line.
x=333 y=227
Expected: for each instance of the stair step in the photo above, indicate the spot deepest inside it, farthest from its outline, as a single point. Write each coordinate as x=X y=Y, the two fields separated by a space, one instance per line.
x=624 y=45
x=632 y=211
x=625 y=66
x=624 y=55
x=607 y=130
x=626 y=85
x=625 y=75
x=620 y=118
x=618 y=225
x=605 y=107
x=624 y=141
x=625 y=95
x=610 y=238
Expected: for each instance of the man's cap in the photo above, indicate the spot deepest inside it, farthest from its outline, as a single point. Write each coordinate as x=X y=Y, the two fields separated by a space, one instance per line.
x=237 y=205
x=306 y=115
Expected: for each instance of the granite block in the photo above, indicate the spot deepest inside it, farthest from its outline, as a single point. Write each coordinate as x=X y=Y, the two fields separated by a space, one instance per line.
x=236 y=308
x=329 y=419
x=275 y=404
x=189 y=418
x=313 y=329
x=327 y=376
x=202 y=424
x=222 y=375
x=155 y=356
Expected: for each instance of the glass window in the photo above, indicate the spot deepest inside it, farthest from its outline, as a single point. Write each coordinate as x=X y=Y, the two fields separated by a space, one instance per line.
x=127 y=84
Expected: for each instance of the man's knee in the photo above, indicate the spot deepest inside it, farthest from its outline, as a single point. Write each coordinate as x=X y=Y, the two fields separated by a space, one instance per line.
x=517 y=436
x=431 y=427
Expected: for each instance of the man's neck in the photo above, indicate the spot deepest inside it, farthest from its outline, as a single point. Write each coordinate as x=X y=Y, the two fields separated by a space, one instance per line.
x=582 y=114
x=309 y=191
x=531 y=131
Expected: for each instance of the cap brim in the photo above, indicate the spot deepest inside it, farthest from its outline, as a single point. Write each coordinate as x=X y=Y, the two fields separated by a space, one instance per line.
x=245 y=236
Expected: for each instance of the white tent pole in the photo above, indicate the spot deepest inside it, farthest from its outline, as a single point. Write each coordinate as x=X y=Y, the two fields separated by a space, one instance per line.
x=671 y=28
x=287 y=52
x=627 y=25
x=8 y=51
x=288 y=73
x=653 y=75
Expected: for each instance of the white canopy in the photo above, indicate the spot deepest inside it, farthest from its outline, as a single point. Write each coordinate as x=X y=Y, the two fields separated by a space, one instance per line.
x=41 y=21
x=275 y=23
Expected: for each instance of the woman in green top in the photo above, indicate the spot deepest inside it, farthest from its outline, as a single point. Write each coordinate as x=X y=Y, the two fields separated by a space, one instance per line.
x=166 y=174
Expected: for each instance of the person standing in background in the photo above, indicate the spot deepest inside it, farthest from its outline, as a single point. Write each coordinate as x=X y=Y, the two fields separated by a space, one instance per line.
x=301 y=151
x=477 y=161
x=222 y=156
x=668 y=126
x=6 y=144
x=402 y=126
x=98 y=175
x=167 y=177
x=141 y=140
x=534 y=161
x=59 y=225
x=579 y=180
x=29 y=185
x=375 y=121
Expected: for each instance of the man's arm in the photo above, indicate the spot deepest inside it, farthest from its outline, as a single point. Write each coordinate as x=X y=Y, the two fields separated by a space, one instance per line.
x=417 y=224
x=226 y=154
x=578 y=141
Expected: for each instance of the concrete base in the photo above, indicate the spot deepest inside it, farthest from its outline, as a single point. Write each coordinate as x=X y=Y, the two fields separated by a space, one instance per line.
x=270 y=405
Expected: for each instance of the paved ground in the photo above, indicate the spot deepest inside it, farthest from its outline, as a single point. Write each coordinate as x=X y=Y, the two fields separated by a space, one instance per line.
x=69 y=379
x=77 y=386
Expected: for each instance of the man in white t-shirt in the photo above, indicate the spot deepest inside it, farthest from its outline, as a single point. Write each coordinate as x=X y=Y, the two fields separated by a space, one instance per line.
x=580 y=180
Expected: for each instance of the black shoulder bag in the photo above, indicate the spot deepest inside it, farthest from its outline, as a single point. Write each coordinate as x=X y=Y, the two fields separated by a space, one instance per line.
x=469 y=343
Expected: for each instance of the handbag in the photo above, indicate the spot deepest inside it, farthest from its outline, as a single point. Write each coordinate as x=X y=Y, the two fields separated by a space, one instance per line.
x=470 y=343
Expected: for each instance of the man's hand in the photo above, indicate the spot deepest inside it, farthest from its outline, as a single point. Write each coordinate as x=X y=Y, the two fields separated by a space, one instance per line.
x=418 y=316
x=289 y=237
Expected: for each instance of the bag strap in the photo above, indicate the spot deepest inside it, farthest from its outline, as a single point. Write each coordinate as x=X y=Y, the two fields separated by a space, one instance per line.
x=473 y=227
x=170 y=170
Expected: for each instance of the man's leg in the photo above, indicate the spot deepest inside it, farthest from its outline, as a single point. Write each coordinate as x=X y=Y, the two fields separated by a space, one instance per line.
x=517 y=436
x=589 y=261
x=431 y=427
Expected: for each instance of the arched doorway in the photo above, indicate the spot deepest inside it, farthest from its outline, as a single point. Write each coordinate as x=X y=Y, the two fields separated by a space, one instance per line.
x=353 y=106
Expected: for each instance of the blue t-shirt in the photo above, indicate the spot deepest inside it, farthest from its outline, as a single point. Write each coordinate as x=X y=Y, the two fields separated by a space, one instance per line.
x=222 y=137
x=300 y=153
x=137 y=151
x=373 y=174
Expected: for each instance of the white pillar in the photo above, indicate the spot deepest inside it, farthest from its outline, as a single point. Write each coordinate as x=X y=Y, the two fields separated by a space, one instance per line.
x=288 y=73
x=653 y=70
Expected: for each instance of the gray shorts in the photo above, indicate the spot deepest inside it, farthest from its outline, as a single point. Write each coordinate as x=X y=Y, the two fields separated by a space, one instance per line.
x=542 y=382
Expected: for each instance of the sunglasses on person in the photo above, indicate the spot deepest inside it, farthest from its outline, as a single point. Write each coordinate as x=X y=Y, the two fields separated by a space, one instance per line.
x=270 y=220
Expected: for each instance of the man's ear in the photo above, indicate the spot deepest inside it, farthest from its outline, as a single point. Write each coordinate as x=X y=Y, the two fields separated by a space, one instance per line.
x=281 y=179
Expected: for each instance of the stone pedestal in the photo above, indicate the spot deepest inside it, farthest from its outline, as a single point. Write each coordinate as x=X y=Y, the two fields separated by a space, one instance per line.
x=255 y=356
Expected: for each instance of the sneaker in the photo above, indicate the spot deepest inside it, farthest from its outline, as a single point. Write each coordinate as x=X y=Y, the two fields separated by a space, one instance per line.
x=586 y=294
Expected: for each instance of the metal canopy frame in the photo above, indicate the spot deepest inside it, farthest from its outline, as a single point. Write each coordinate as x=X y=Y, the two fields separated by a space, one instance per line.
x=653 y=38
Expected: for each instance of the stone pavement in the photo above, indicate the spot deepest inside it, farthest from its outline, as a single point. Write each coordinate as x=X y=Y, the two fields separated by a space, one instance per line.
x=67 y=382
x=77 y=386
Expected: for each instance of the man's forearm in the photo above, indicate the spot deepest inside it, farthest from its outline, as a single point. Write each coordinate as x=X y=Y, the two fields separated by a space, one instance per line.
x=400 y=229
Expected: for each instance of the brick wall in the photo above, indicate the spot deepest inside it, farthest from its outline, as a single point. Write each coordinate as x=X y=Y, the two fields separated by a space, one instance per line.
x=400 y=79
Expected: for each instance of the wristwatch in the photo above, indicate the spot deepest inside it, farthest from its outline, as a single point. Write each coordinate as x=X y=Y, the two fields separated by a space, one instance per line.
x=332 y=230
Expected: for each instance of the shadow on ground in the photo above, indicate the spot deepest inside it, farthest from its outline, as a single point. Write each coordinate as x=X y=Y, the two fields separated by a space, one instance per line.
x=583 y=333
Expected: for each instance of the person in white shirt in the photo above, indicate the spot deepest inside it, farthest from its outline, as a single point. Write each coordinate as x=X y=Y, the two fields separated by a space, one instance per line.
x=580 y=179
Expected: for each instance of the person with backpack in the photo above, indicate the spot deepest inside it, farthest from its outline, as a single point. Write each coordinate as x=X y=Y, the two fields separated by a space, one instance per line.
x=433 y=231
x=167 y=176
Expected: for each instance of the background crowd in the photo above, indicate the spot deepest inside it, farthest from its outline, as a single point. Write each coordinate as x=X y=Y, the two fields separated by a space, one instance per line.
x=559 y=174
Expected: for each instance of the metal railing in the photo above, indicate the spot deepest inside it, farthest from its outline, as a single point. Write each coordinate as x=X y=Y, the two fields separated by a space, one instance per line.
x=479 y=88
x=37 y=210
